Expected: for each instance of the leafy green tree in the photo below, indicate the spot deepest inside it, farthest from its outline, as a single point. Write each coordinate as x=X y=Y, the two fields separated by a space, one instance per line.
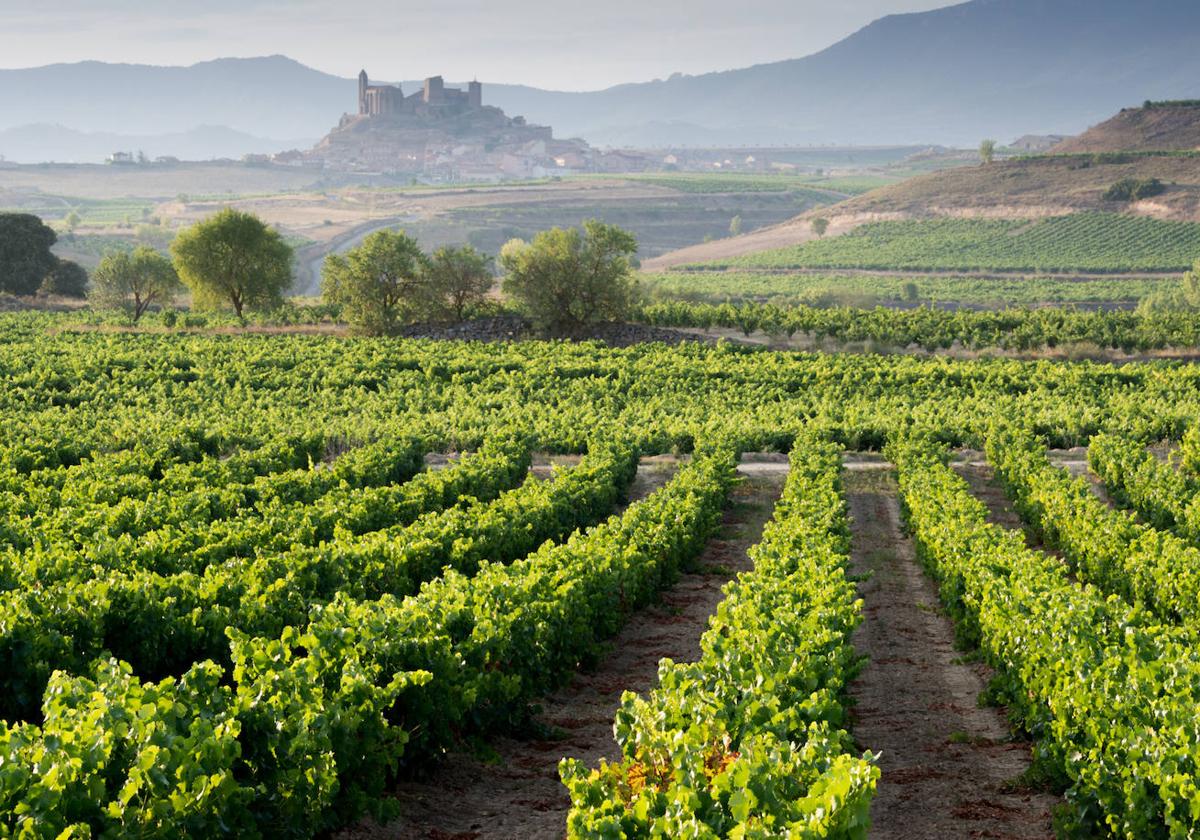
x=68 y=279
x=377 y=283
x=820 y=226
x=25 y=258
x=458 y=279
x=233 y=257
x=72 y=221
x=987 y=151
x=134 y=281
x=567 y=278
x=735 y=226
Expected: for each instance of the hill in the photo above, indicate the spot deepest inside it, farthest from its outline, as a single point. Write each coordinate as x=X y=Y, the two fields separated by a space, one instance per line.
x=1022 y=188
x=1165 y=126
x=1000 y=68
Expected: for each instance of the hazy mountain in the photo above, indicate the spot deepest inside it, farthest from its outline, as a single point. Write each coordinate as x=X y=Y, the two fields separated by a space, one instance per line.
x=997 y=68
x=41 y=143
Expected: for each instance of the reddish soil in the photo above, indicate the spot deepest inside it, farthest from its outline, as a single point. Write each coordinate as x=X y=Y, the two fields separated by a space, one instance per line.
x=947 y=763
x=515 y=794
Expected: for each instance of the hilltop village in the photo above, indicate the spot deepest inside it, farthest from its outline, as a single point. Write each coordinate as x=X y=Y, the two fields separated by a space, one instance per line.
x=446 y=134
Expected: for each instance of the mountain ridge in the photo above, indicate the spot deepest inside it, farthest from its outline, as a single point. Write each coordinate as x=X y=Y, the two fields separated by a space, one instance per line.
x=998 y=68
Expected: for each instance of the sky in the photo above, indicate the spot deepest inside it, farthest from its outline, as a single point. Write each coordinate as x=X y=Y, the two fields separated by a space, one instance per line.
x=563 y=45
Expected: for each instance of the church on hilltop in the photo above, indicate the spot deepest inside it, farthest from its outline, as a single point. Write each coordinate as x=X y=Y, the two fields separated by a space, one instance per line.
x=433 y=98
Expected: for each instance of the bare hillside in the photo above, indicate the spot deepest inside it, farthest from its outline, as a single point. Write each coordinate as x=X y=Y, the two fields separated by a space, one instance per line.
x=1160 y=128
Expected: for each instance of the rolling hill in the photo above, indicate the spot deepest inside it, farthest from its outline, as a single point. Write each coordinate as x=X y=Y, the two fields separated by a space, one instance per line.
x=1168 y=126
x=997 y=68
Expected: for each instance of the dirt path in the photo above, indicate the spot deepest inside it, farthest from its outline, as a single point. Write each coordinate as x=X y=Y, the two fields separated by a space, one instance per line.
x=947 y=763
x=517 y=794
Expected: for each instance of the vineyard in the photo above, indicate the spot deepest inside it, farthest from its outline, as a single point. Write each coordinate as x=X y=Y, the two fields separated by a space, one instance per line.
x=1081 y=242
x=931 y=329
x=855 y=289
x=251 y=585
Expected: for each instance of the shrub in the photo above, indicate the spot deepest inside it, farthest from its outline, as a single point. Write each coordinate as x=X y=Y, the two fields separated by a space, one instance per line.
x=1132 y=189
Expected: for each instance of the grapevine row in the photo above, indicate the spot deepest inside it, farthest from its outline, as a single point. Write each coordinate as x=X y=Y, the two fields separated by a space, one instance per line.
x=748 y=741
x=1099 y=242
x=163 y=623
x=938 y=329
x=1108 y=548
x=316 y=720
x=1109 y=695
x=1161 y=494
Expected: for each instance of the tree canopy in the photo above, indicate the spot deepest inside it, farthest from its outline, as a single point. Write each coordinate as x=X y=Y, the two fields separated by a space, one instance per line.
x=459 y=278
x=68 y=279
x=25 y=257
x=133 y=281
x=377 y=283
x=233 y=258
x=567 y=278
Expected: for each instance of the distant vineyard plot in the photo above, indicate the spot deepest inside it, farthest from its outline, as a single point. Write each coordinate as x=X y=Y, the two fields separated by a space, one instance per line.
x=1083 y=242
x=833 y=288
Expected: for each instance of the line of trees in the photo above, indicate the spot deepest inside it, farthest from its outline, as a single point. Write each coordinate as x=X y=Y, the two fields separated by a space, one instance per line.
x=388 y=281
x=562 y=280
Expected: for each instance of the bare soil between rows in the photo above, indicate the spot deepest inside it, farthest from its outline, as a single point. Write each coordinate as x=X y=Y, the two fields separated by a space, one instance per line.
x=948 y=764
x=515 y=794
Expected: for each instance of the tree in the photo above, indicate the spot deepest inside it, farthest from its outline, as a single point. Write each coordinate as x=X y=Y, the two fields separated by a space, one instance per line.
x=25 y=257
x=72 y=221
x=735 y=226
x=233 y=257
x=566 y=278
x=819 y=226
x=68 y=279
x=134 y=281
x=459 y=278
x=378 y=282
x=987 y=151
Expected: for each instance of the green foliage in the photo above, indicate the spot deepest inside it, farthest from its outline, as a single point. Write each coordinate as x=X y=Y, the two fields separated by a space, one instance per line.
x=378 y=283
x=939 y=329
x=133 y=281
x=25 y=258
x=1134 y=189
x=735 y=226
x=1093 y=242
x=987 y=151
x=244 y=520
x=865 y=290
x=819 y=226
x=1109 y=692
x=567 y=278
x=233 y=258
x=459 y=280
x=1179 y=296
x=68 y=279
x=747 y=741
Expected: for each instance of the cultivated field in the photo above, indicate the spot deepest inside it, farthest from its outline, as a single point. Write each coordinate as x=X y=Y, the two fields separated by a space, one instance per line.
x=273 y=584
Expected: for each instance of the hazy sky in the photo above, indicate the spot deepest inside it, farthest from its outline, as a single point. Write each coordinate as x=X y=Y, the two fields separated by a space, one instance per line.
x=566 y=45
